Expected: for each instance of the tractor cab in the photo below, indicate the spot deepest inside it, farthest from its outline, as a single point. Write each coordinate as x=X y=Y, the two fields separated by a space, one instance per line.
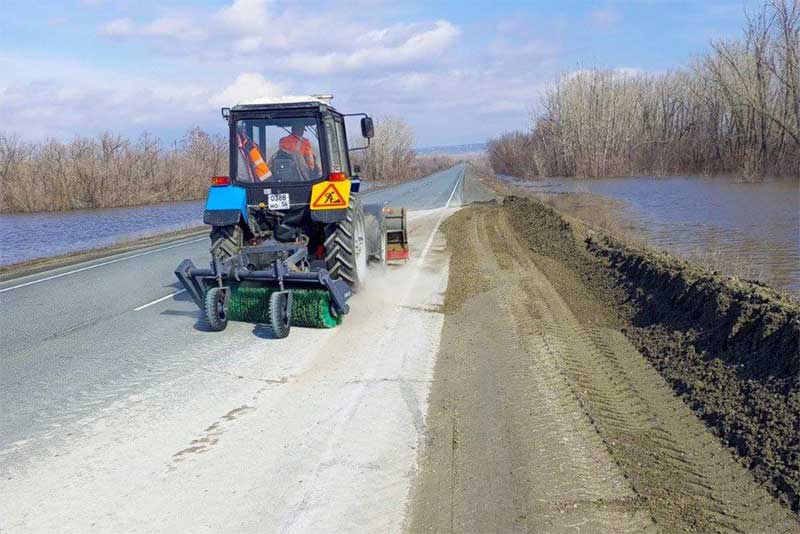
x=280 y=152
x=306 y=135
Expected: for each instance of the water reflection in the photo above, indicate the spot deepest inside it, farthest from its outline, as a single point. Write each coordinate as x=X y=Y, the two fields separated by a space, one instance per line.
x=744 y=227
x=36 y=235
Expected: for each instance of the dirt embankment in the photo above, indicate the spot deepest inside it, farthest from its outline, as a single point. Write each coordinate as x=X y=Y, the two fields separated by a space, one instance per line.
x=728 y=347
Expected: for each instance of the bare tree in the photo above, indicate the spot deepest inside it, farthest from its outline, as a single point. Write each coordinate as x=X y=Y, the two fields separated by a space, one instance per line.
x=735 y=110
x=390 y=156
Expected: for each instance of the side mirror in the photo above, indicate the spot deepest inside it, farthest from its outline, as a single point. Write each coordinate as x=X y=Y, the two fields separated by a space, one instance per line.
x=367 y=128
x=356 y=170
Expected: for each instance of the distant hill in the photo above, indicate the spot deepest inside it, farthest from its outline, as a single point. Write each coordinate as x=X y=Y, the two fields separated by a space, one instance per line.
x=452 y=150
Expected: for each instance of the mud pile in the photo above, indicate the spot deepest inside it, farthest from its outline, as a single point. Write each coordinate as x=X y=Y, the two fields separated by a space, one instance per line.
x=728 y=347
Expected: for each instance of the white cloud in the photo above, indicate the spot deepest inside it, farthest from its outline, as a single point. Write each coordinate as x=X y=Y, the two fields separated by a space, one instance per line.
x=247 y=86
x=249 y=25
x=40 y=109
x=421 y=45
x=257 y=27
x=604 y=19
x=173 y=28
x=245 y=16
x=118 y=28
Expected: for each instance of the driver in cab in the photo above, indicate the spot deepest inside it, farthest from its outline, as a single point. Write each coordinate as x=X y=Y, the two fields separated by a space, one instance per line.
x=295 y=143
x=257 y=168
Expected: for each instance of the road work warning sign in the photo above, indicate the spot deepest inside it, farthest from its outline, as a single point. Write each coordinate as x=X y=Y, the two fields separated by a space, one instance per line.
x=330 y=195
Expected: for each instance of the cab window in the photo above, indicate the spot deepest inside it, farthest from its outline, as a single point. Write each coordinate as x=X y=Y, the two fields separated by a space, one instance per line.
x=277 y=150
x=337 y=147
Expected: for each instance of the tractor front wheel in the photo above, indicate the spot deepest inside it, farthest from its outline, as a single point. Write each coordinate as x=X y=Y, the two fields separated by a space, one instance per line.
x=215 y=309
x=279 y=314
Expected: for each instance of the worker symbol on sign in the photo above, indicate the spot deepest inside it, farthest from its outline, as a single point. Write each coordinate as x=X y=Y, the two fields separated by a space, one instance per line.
x=330 y=197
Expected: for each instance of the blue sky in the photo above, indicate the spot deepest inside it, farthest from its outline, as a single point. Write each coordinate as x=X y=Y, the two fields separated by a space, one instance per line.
x=457 y=71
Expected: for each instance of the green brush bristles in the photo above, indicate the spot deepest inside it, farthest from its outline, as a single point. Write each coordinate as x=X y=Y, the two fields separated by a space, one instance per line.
x=310 y=307
x=249 y=304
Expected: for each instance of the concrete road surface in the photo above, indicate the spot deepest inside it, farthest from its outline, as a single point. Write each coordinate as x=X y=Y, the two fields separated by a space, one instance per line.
x=121 y=413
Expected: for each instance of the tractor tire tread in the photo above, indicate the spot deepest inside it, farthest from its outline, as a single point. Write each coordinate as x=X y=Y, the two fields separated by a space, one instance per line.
x=216 y=321
x=277 y=319
x=226 y=241
x=340 y=248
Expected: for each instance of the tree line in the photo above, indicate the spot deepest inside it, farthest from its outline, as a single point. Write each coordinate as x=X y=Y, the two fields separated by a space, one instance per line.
x=107 y=171
x=734 y=110
x=111 y=171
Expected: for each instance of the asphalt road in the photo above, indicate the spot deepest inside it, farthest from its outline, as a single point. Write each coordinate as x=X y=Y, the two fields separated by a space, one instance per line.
x=83 y=344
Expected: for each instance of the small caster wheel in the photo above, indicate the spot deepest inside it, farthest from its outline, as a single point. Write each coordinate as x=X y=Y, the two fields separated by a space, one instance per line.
x=280 y=313
x=215 y=309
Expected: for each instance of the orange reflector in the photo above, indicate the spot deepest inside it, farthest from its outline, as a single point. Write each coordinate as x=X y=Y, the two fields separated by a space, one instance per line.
x=397 y=254
x=337 y=177
x=220 y=180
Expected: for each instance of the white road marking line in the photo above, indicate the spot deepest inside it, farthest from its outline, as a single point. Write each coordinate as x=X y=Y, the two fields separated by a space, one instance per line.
x=441 y=218
x=143 y=306
x=100 y=264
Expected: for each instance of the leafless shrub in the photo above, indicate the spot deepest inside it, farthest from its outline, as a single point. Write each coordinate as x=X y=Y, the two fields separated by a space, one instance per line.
x=425 y=165
x=106 y=171
x=736 y=110
x=482 y=166
x=512 y=154
x=391 y=157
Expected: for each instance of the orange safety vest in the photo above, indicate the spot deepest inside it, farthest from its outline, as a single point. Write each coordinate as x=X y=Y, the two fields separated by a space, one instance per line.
x=258 y=168
x=300 y=145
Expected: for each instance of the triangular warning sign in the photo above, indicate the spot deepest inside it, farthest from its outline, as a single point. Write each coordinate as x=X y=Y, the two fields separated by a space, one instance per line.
x=329 y=198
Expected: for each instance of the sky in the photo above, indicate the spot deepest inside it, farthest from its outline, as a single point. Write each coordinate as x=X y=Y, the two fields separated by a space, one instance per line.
x=456 y=71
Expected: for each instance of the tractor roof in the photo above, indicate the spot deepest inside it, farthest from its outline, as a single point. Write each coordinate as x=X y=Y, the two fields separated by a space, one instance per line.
x=285 y=102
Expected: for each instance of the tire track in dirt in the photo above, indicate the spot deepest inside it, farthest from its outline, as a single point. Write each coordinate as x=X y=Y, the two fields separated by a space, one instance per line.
x=562 y=412
x=688 y=481
x=508 y=449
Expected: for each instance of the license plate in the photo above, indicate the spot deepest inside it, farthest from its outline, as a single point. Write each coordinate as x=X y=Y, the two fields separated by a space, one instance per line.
x=278 y=202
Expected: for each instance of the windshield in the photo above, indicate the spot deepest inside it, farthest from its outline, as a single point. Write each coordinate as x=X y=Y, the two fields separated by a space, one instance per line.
x=277 y=150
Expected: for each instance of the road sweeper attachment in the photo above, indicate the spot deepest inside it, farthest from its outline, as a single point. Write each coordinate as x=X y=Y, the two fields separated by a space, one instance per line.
x=289 y=239
x=281 y=295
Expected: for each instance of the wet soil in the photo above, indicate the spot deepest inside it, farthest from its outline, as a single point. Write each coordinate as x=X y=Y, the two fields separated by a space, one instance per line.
x=729 y=347
x=550 y=411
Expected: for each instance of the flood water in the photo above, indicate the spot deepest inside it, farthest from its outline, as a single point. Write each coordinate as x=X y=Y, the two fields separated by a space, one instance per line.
x=752 y=230
x=748 y=228
x=28 y=236
x=36 y=235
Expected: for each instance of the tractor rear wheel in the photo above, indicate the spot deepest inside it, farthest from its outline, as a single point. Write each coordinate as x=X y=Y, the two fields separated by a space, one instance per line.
x=346 y=247
x=226 y=241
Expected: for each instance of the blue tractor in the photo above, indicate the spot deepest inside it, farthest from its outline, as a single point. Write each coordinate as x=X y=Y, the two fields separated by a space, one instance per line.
x=290 y=239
